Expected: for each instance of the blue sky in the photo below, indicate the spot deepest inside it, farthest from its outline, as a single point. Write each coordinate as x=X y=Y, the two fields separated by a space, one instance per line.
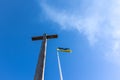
x=90 y=28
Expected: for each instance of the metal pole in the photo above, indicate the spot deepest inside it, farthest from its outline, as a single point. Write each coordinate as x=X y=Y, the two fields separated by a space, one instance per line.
x=39 y=75
x=59 y=65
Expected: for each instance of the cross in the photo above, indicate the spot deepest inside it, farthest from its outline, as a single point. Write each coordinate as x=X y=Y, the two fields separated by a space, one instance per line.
x=39 y=74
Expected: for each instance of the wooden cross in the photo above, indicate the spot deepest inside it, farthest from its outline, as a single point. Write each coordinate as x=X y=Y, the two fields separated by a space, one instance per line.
x=39 y=74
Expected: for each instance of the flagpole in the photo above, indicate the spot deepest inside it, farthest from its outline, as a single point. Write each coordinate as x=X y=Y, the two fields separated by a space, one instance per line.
x=59 y=65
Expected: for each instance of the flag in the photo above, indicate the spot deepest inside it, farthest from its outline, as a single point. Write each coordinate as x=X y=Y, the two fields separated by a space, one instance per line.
x=64 y=49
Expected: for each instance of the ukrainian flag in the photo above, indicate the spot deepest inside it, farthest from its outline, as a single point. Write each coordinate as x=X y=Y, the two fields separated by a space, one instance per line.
x=64 y=50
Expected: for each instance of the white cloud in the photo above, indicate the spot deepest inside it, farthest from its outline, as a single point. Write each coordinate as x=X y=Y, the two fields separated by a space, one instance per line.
x=100 y=22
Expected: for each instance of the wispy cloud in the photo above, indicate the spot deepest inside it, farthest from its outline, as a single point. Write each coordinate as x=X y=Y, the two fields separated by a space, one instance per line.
x=100 y=22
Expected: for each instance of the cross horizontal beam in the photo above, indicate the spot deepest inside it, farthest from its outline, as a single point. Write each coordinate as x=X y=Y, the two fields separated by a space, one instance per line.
x=47 y=36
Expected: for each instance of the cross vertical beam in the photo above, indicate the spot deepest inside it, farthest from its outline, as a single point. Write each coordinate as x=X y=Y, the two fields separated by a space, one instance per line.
x=39 y=74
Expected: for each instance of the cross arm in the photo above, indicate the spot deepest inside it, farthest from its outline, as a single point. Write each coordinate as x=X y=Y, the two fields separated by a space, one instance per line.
x=47 y=36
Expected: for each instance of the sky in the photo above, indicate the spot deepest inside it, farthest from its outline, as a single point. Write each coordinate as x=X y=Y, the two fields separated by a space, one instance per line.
x=89 y=27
